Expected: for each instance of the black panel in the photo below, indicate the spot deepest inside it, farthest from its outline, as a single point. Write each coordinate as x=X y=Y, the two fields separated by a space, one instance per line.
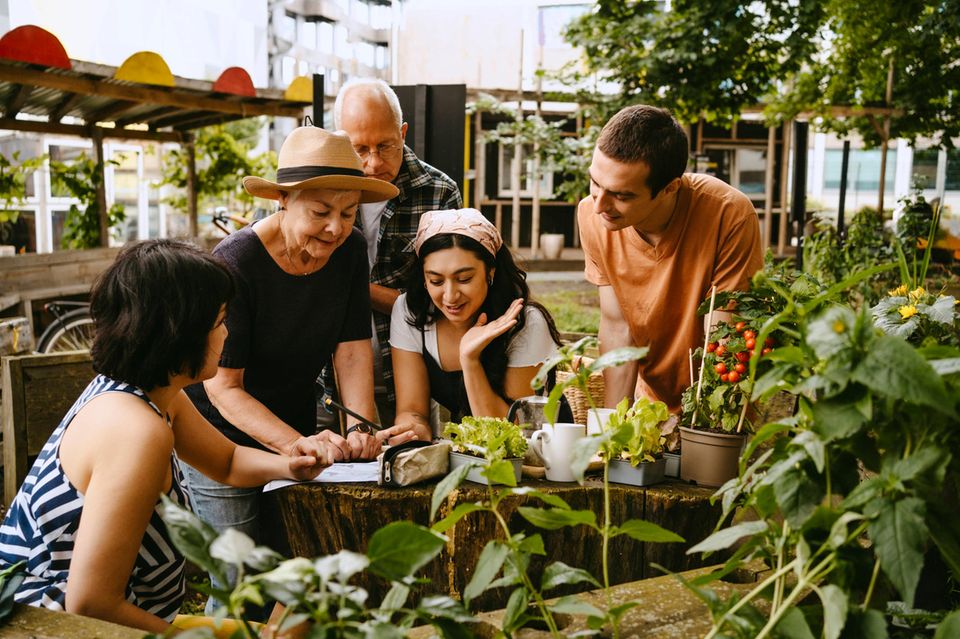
x=434 y=116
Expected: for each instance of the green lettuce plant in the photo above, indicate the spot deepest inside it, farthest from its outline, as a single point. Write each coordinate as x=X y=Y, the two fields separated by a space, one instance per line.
x=637 y=436
x=490 y=437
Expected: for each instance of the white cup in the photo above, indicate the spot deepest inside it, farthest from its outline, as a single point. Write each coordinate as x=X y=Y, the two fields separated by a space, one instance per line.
x=597 y=419
x=554 y=444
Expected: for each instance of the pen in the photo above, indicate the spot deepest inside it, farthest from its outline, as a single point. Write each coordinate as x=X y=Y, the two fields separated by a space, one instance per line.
x=328 y=402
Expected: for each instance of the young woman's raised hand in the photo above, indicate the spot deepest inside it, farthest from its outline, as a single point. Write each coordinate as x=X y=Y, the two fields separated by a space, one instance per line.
x=479 y=337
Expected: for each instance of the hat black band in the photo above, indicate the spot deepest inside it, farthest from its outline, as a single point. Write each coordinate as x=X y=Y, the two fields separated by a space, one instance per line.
x=300 y=173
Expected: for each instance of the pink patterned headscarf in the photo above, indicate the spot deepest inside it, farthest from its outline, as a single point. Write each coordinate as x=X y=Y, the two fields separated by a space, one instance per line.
x=469 y=222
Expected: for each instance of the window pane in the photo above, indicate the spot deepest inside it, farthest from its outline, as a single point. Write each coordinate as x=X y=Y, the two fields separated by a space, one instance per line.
x=21 y=234
x=751 y=167
x=953 y=170
x=863 y=173
x=924 y=171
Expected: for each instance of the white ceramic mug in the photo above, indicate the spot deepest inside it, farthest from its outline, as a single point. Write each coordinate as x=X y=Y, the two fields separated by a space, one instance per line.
x=555 y=446
x=597 y=419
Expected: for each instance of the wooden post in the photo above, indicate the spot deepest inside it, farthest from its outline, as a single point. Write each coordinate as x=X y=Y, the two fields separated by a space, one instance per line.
x=886 y=140
x=784 y=176
x=479 y=162
x=97 y=137
x=188 y=143
x=768 y=187
x=516 y=171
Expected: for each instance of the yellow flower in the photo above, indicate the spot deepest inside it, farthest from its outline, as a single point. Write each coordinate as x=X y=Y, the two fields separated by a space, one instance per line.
x=916 y=294
x=906 y=312
x=900 y=290
x=839 y=326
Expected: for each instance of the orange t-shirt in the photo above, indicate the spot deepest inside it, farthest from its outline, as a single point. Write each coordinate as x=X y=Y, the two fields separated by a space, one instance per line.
x=713 y=238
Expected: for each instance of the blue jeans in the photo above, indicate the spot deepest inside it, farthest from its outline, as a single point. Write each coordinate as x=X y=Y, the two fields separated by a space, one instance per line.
x=223 y=507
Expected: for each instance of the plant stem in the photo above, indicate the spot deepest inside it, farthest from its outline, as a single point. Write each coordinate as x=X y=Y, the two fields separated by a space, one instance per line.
x=537 y=597
x=750 y=595
x=873 y=582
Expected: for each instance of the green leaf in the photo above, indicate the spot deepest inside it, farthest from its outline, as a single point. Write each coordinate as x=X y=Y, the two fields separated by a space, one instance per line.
x=944 y=367
x=401 y=548
x=920 y=462
x=458 y=513
x=553 y=400
x=811 y=442
x=192 y=537
x=869 y=624
x=834 y=601
x=445 y=607
x=447 y=485
x=488 y=566
x=584 y=450
x=550 y=499
x=617 y=357
x=513 y=614
x=559 y=573
x=837 y=418
x=899 y=535
x=793 y=625
x=396 y=597
x=892 y=368
x=533 y=545
x=572 y=605
x=830 y=332
x=943 y=310
x=500 y=472
x=729 y=536
x=645 y=531
x=554 y=518
x=949 y=628
x=797 y=495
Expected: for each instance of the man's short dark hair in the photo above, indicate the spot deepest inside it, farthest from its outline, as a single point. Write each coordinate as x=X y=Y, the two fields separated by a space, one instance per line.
x=153 y=310
x=642 y=133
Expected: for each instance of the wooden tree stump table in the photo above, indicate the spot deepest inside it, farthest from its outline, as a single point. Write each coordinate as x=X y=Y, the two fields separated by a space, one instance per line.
x=313 y=519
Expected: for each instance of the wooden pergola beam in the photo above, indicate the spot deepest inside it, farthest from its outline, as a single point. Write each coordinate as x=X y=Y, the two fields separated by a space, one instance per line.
x=145 y=118
x=69 y=101
x=178 y=119
x=106 y=112
x=34 y=126
x=200 y=122
x=87 y=86
x=17 y=100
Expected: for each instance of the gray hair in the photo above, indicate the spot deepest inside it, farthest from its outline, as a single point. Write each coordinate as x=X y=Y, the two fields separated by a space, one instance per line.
x=375 y=85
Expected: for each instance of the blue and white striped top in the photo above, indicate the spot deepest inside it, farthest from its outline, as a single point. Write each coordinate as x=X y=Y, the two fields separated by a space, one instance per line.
x=42 y=523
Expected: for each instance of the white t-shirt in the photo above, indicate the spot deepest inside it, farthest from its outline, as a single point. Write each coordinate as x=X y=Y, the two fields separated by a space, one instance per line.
x=370 y=214
x=529 y=347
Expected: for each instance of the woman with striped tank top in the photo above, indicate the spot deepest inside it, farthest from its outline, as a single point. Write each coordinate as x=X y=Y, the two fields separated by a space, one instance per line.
x=86 y=519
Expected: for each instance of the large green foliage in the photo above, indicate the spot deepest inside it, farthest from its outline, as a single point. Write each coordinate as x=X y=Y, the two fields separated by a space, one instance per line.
x=712 y=58
x=81 y=178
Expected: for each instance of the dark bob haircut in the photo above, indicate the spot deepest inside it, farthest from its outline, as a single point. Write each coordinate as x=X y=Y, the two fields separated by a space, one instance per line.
x=153 y=310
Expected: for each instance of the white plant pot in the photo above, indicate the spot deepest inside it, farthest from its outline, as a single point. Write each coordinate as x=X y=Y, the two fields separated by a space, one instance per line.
x=644 y=474
x=462 y=459
x=551 y=245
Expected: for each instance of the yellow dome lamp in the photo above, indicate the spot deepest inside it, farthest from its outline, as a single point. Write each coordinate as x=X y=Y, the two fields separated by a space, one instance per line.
x=145 y=67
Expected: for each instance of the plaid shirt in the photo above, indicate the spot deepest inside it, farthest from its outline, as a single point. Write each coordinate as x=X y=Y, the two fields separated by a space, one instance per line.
x=422 y=188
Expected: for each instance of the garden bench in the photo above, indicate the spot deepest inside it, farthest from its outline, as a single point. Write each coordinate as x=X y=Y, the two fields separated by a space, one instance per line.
x=38 y=390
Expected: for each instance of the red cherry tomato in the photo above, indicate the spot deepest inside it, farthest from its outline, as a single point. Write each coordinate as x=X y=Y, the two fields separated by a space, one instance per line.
x=749 y=335
x=740 y=368
x=721 y=350
x=721 y=368
x=765 y=351
x=733 y=377
x=769 y=343
x=725 y=377
x=750 y=343
x=712 y=346
x=743 y=356
x=740 y=326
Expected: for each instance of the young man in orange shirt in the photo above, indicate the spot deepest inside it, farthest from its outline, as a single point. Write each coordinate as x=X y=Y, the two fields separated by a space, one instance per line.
x=655 y=241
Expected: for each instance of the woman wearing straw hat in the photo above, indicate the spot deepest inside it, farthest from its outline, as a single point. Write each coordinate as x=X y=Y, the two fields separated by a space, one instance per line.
x=302 y=296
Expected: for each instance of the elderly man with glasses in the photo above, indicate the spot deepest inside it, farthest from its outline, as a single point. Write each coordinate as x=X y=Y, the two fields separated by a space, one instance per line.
x=368 y=111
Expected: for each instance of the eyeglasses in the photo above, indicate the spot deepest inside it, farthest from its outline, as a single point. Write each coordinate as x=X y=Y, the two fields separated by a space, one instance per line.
x=385 y=151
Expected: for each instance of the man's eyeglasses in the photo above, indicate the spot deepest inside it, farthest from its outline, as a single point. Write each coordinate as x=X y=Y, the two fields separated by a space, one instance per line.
x=386 y=151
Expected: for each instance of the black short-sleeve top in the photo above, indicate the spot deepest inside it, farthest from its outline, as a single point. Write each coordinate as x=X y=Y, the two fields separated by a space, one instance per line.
x=282 y=328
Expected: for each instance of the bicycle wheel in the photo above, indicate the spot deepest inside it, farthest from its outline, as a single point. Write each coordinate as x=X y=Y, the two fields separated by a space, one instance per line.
x=71 y=331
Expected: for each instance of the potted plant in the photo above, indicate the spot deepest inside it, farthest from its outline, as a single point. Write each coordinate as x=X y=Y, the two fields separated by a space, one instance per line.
x=635 y=449
x=489 y=438
x=717 y=408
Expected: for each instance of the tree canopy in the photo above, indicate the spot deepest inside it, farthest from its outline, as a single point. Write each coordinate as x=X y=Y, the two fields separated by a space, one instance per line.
x=714 y=58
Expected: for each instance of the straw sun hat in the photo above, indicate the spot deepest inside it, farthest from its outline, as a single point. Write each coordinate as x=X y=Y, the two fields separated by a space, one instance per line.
x=313 y=158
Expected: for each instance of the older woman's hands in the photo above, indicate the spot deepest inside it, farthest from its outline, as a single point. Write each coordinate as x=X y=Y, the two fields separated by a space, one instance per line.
x=363 y=446
x=405 y=432
x=307 y=465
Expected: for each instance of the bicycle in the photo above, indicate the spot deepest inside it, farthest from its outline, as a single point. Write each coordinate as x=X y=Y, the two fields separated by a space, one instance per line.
x=71 y=330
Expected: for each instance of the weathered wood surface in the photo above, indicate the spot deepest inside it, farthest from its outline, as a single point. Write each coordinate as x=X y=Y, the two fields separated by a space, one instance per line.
x=28 y=622
x=50 y=270
x=667 y=610
x=318 y=519
x=38 y=390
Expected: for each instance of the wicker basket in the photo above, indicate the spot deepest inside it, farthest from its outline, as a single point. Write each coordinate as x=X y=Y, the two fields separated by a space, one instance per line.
x=578 y=399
